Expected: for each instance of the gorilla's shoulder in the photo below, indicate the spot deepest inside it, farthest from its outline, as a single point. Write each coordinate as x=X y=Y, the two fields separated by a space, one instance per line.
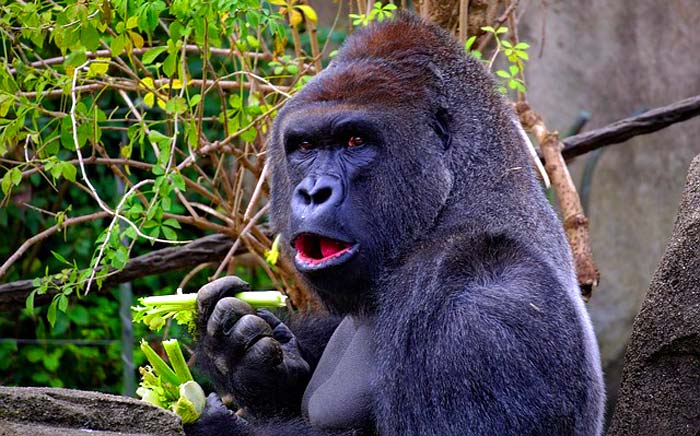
x=469 y=266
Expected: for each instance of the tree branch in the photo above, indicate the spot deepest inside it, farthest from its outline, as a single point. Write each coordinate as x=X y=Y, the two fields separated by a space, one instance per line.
x=621 y=131
x=45 y=234
x=210 y=248
x=575 y=222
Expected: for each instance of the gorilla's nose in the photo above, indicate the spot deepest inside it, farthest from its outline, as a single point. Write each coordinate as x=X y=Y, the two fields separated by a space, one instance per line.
x=317 y=194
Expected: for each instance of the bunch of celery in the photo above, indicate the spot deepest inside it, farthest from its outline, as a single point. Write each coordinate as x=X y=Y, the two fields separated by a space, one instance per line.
x=173 y=388
x=155 y=311
x=170 y=388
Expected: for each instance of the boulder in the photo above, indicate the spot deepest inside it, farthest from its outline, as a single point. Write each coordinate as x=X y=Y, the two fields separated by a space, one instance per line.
x=660 y=391
x=68 y=412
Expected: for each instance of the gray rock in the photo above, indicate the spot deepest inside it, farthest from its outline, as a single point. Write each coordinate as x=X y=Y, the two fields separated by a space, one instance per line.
x=660 y=392
x=49 y=411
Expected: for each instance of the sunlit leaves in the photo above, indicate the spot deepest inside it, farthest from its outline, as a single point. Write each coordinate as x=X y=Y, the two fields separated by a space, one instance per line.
x=98 y=67
x=378 y=13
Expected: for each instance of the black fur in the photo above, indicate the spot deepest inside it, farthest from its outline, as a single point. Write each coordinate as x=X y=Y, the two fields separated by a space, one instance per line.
x=462 y=274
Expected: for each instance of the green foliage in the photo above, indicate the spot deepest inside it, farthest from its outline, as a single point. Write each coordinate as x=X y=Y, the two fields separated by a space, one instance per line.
x=515 y=54
x=379 y=13
x=143 y=121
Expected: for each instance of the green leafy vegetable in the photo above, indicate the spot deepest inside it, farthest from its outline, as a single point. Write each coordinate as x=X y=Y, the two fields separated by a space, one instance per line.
x=170 y=388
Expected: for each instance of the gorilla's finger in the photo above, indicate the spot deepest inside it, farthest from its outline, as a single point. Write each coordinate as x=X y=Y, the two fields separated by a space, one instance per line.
x=246 y=331
x=209 y=294
x=214 y=406
x=266 y=352
x=280 y=331
x=226 y=313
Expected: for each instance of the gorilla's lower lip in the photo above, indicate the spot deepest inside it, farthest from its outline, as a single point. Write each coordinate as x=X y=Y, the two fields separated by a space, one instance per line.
x=314 y=252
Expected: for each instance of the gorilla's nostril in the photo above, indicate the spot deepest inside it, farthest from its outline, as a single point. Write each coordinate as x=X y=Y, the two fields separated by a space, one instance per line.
x=304 y=196
x=322 y=195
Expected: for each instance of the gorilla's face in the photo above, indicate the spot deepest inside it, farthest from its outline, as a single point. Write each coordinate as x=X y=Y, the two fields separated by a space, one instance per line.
x=330 y=157
x=351 y=188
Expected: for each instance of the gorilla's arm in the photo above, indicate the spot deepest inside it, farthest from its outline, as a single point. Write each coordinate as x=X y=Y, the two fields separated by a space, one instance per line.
x=312 y=330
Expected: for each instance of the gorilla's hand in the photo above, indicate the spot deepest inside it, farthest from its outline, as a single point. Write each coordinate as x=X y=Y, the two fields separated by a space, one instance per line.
x=251 y=355
x=217 y=419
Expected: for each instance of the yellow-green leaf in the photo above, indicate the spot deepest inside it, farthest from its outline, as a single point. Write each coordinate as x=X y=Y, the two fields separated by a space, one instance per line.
x=149 y=99
x=295 y=18
x=98 y=67
x=309 y=12
x=136 y=39
x=132 y=22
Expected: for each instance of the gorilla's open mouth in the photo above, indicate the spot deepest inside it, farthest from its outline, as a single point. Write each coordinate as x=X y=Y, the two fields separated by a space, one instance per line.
x=316 y=251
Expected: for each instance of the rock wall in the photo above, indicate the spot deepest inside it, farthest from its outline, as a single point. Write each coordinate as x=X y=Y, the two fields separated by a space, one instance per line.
x=660 y=392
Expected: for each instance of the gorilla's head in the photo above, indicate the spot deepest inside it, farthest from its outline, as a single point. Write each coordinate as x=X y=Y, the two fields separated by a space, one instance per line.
x=362 y=158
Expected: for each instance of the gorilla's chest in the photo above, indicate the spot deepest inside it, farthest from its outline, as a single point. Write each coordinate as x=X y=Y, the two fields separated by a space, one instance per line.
x=339 y=395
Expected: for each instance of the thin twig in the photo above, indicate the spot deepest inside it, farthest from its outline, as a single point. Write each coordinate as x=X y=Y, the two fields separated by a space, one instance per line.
x=45 y=234
x=235 y=245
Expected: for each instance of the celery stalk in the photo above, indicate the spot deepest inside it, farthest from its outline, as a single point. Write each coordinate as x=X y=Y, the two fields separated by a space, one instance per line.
x=177 y=360
x=160 y=367
x=155 y=311
x=263 y=299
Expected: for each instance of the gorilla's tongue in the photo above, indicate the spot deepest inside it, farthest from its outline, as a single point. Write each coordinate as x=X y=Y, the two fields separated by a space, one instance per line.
x=316 y=249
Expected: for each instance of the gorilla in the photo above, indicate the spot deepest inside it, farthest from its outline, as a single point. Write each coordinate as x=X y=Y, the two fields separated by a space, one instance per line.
x=402 y=189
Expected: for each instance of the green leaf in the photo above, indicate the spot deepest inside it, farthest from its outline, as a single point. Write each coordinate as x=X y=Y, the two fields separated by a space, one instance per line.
x=116 y=46
x=501 y=30
x=34 y=354
x=513 y=70
x=172 y=222
x=488 y=29
x=169 y=64
x=176 y=105
x=60 y=258
x=249 y=135
x=503 y=74
x=16 y=176
x=469 y=43
x=132 y=22
x=120 y=258
x=69 y=171
x=51 y=313
x=195 y=99
x=152 y=54
x=6 y=183
x=79 y=315
x=169 y=233
x=62 y=303
x=29 y=303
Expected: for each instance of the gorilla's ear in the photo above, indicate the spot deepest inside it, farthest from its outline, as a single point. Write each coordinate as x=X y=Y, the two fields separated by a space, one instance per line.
x=442 y=127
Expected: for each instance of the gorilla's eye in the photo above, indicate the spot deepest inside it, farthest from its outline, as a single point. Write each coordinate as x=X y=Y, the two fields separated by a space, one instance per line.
x=305 y=145
x=356 y=141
